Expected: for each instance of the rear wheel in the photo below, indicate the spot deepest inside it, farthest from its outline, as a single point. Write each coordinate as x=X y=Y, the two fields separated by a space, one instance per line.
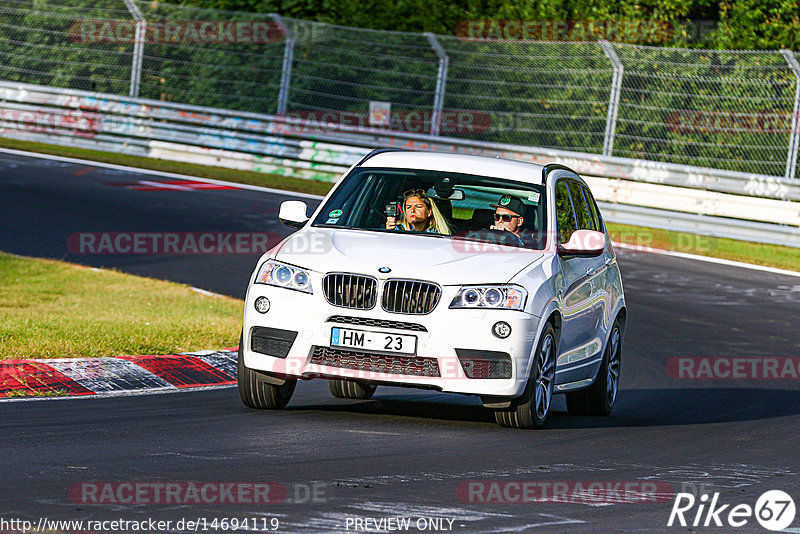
x=351 y=389
x=260 y=390
x=599 y=399
x=531 y=409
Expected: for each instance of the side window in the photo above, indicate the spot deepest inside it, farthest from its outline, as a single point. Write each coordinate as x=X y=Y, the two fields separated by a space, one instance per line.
x=593 y=211
x=579 y=204
x=565 y=218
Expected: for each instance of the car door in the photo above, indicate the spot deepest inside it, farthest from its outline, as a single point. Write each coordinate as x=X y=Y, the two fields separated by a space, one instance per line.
x=579 y=342
x=596 y=267
x=606 y=273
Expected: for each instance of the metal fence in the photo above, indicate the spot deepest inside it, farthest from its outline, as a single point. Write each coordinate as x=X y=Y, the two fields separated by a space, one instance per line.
x=734 y=110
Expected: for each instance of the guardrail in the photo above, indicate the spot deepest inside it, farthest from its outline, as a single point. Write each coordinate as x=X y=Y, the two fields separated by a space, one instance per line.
x=662 y=195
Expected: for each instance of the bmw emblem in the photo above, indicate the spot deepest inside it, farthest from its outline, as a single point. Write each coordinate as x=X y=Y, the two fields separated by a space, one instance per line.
x=384 y=270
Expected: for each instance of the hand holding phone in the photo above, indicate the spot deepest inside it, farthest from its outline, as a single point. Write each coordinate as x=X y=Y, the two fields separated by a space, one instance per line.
x=393 y=212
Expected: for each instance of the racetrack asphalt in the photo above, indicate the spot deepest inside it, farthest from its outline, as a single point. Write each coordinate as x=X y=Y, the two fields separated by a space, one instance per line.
x=406 y=453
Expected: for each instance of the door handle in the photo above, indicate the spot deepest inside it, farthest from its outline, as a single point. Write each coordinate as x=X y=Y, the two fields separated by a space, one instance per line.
x=591 y=271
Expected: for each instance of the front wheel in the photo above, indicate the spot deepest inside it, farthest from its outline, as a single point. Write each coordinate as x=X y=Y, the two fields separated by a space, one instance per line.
x=531 y=409
x=599 y=399
x=259 y=390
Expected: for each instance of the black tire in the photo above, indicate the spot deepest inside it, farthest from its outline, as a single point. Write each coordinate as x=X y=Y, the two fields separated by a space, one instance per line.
x=257 y=392
x=351 y=389
x=532 y=408
x=599 y=399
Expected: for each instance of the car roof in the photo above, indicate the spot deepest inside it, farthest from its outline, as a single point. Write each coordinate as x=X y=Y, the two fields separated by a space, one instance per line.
x=459 y=163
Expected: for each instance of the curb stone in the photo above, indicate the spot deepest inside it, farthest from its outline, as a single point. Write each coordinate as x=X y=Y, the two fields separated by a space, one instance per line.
x=61 y=377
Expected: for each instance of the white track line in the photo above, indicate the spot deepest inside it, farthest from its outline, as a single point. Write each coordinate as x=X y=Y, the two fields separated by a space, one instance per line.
x=208 y=293
x=683 y=255
x=157 y=173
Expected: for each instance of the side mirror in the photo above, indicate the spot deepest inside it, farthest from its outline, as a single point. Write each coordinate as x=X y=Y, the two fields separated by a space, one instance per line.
x=293 y=213
x=583 y=243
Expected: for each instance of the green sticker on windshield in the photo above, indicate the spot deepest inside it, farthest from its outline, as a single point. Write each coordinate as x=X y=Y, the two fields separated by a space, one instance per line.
x=533 y=197
x=335 y=213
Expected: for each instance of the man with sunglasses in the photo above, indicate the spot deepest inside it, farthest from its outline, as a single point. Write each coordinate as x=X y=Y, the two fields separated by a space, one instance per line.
x=508 y=214
x=509 y=217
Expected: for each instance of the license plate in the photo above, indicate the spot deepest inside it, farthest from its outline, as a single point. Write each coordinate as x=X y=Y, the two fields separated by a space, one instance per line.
x=373 y=341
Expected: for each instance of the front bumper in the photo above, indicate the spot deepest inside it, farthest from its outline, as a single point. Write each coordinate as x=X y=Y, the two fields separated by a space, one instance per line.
x=435 y=365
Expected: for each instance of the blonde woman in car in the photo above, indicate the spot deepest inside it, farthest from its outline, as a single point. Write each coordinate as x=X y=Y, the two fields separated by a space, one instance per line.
x=420 y=214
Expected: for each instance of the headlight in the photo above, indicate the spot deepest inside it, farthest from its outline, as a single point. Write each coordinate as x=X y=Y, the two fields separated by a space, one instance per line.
x=498 y=297
x=275 y=273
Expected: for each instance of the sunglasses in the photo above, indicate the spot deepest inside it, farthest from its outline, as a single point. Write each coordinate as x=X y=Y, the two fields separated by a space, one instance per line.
x=505 y=217
x=421 y=193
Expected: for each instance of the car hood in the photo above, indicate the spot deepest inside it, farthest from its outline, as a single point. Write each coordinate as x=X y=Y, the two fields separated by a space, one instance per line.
x=441 y=260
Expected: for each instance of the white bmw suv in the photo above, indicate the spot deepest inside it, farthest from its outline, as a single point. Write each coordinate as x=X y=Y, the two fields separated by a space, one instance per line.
x=454 y=273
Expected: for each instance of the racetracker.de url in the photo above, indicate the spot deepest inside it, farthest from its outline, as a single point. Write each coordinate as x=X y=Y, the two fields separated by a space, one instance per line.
x=197 y=524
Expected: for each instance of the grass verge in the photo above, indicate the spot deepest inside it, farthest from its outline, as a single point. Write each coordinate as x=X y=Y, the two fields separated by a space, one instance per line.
x=729 y=249
x=53 y=309
x=717 y=247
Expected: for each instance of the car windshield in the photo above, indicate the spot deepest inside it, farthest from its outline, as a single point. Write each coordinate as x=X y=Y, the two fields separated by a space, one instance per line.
x=439 y=204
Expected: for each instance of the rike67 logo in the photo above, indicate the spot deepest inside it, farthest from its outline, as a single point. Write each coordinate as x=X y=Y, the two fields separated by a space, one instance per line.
x=774 y=510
